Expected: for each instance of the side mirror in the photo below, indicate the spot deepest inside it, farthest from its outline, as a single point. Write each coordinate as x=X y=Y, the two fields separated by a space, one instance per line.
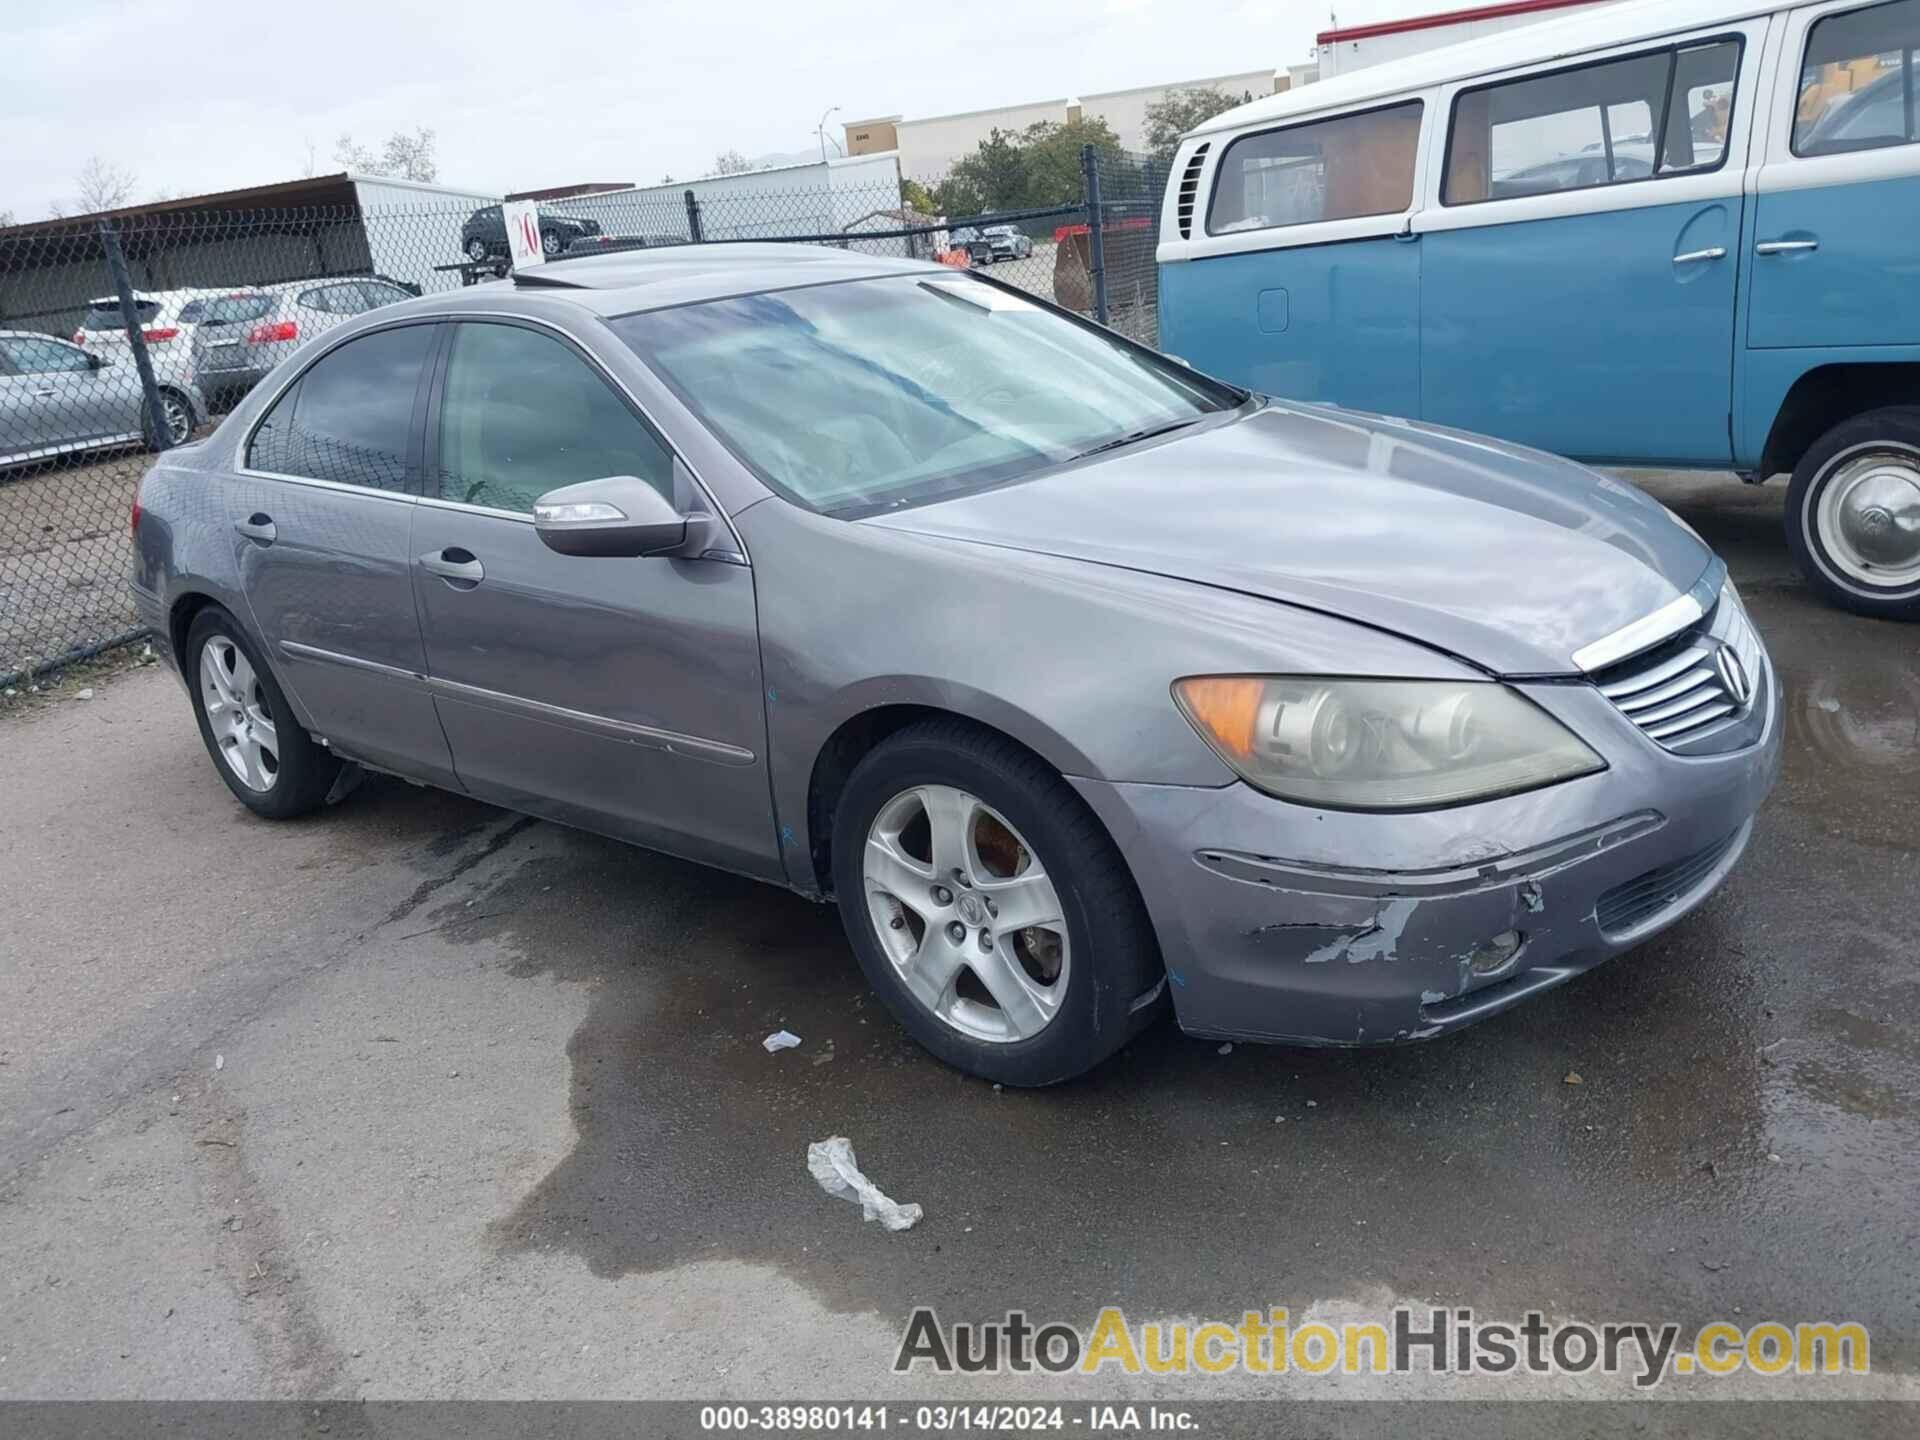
x=97 y=362
x=621 y=515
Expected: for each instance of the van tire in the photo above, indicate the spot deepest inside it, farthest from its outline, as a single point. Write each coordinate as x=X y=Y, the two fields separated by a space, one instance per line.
x=1837 y=528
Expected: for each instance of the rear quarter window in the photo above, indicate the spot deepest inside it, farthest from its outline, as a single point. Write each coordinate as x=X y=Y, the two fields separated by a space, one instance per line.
x=1340 y=168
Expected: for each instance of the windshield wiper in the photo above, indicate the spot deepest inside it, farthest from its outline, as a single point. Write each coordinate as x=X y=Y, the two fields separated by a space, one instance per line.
x=1136 y=436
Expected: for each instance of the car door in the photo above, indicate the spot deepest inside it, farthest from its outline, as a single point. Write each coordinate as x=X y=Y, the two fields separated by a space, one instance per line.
x=322 y=512
x=621 y=695
x=66 y=396
x=1838 y=198
x=1298 y=279
x=1579 y=267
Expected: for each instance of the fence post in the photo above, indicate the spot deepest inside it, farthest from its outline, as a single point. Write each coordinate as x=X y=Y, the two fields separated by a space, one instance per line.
x=130 y=317
x=1096 y=242
x=693 y=218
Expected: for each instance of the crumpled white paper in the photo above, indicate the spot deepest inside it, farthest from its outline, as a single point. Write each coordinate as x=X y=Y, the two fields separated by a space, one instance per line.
x=781 y=1040
x=831 y=1162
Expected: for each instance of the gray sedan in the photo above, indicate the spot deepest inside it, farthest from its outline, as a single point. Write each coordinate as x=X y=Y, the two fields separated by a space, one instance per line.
x=57 y=399
x=1085 y=685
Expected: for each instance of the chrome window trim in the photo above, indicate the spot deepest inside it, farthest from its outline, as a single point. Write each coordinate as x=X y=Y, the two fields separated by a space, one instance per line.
x=404 y=497
x=294 y=650
x=1650 y=630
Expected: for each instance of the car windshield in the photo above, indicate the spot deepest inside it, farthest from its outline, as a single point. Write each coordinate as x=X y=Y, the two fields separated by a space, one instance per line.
x=866 y=394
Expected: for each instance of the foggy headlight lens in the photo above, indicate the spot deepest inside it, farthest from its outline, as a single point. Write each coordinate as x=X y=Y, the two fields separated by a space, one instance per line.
x=1381 y=744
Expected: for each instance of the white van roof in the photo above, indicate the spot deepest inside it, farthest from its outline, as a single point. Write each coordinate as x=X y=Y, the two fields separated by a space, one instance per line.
x=1598 y=28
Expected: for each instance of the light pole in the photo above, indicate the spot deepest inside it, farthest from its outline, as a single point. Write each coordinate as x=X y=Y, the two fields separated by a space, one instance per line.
x=821 y=131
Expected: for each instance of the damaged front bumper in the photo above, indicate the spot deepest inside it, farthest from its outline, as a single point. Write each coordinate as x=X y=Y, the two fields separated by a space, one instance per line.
x=1281 y=922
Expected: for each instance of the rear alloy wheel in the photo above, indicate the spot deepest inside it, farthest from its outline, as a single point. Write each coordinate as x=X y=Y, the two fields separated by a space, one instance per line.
x=267 y=760
x=477 y=251
x=551 y=243
x=989 y=908
x=1853 y=514
x=177 y=414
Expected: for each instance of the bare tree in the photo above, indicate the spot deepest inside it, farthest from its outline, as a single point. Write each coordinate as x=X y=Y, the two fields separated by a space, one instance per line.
x=6 y=219
x=102 y=185
x=731 y=162
x=403 y=157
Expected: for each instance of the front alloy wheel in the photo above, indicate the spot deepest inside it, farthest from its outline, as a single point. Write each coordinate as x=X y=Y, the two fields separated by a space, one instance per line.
x=966 y=913
x=1853 y=513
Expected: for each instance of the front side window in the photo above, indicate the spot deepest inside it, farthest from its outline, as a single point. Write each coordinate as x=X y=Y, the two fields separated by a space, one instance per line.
x=1338 y=169
x=865 y=394
x=523 y=414
x=44 y=357
x=1612 y=123
x=349 y=418
x=1857 y=81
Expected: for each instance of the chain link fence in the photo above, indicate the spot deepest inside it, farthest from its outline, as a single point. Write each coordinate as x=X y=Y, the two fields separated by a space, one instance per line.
x=123 y=336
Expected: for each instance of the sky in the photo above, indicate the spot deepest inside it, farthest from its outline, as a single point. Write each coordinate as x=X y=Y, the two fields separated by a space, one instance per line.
x=529 y=93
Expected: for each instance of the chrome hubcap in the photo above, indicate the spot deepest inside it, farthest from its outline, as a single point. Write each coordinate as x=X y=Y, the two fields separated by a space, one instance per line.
x=179 y=422
x=966 y=914
x=237 y=714
x=1869 y=517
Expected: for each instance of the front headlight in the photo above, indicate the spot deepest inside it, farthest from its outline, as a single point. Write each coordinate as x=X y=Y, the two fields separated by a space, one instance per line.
x=1381 y=744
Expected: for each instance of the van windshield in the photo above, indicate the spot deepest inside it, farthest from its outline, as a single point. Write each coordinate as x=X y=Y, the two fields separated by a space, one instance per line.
x=866 y=394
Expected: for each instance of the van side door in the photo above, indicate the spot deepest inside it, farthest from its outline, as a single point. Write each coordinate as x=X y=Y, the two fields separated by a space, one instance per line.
x=1288 y=266
x=1581 y=254
x=1838 y=204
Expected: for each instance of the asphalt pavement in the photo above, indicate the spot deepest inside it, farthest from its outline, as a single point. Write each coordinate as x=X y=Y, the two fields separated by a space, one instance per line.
x=418 y=1098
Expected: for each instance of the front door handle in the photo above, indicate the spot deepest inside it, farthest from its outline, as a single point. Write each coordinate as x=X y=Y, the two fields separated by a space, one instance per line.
x=44 y=394
x=1695 y=257
x=454 y=564
x=257 y=527
x=1785 y=247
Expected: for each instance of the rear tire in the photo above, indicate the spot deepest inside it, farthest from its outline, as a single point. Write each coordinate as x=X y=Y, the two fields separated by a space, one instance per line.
x=272 y=766
x=179 y=414
x=1853 y=514
x=477 y=251
x=1029 y=1007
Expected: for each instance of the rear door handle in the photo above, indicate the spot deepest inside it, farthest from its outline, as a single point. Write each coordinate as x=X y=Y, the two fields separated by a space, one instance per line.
x=257 y=527
x=1695 y=257
x=1785 y=247
x=44 y=394
x=453 y=564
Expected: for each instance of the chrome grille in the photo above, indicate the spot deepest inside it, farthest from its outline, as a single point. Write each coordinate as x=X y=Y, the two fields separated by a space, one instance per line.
x=1190 y=189
x=1681 y=692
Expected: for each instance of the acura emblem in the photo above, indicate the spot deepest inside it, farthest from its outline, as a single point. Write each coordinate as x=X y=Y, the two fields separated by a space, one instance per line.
x=1733 y=675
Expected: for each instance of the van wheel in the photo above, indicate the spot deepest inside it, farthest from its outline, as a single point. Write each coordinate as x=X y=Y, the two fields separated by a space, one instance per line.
x=989 y=908
x=1853 y=514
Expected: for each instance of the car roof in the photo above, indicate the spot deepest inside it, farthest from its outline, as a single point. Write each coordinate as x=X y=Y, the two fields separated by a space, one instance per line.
x=665 y=275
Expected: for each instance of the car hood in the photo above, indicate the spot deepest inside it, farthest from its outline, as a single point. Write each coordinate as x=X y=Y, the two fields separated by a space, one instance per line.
x=1508 y=558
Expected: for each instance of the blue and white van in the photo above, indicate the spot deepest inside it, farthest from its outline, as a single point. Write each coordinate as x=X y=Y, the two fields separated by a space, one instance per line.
x=1673 y=233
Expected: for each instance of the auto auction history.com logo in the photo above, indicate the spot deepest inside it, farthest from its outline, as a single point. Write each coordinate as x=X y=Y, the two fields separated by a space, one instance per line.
x=1437 y=1341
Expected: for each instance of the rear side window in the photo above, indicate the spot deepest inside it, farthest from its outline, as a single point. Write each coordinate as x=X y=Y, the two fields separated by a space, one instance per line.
x=1338 y=169
x=1857 y=81
x=1613 y=123
x=105 y=314
x=349 y=418
x=523 y=414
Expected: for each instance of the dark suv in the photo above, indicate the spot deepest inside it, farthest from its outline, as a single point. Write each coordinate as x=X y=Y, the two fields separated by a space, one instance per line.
x=484 y=236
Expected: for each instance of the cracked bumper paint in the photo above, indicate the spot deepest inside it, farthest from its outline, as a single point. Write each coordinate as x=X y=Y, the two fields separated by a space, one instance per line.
x=1286 y=923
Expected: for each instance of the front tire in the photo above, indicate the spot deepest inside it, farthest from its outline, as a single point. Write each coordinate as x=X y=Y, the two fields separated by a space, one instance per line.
x=268 y=761
x=552 y=243
x=1853 y=514
x=477 y=251
x=989 y=908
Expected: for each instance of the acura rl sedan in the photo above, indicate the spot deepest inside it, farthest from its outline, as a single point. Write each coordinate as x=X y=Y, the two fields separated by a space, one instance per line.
x=1085 y=685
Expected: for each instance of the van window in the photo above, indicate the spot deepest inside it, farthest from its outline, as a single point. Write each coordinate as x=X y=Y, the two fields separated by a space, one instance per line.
x=1857 y=81
x=1612 y=123
x=1336 y=169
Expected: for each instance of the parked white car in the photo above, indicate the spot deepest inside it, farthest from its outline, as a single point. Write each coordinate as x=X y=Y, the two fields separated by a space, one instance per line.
x=167 y=318
x=245 y=333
